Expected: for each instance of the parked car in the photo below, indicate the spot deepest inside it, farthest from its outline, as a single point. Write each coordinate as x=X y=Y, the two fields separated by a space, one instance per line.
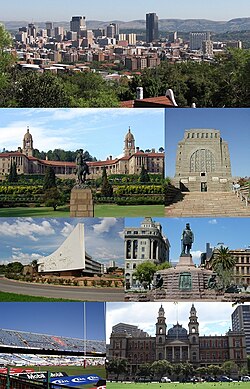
x=224 y=378
x=245 y=378
x=165 y=379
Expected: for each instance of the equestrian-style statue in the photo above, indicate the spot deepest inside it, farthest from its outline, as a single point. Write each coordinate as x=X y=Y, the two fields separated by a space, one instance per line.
x=82 y=168
x=187 y=240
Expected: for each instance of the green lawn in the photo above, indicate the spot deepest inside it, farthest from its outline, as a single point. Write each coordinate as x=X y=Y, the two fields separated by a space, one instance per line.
x=34 y=212
x=100 y=210
x=107 y=210
x=13 y=297
x=172 y=385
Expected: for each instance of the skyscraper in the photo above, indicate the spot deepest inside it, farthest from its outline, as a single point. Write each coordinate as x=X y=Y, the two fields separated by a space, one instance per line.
x=78 y=24
x=151 y=27
x=241 y=321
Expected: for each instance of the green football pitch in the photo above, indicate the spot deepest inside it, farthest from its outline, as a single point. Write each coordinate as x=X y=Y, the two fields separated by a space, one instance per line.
x=173 y=385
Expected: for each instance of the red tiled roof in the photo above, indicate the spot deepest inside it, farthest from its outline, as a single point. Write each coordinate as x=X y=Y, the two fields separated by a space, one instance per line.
x=160 y=101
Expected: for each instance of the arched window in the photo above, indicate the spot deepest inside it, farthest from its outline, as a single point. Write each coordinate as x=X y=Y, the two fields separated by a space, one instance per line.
x=202 y=160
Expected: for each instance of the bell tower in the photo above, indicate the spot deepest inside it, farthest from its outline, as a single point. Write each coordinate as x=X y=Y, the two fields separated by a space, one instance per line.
x=193 y=336
x=160 y=336
x=129 y=144
x=28 y=144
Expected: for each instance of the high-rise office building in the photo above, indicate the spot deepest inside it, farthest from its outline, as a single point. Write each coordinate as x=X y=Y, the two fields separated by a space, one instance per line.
x=196 y=39
x=78 y=24
x=112 y=30
x=241 y=321
x=152 y=33
x=49 y=28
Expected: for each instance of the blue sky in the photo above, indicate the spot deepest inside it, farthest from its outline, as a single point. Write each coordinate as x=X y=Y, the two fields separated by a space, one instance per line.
x=206 y=230
x=214 y=318
x=100 y=131
x=62 y=319
x=232 y=123
x=27 y=239
x=62 y=10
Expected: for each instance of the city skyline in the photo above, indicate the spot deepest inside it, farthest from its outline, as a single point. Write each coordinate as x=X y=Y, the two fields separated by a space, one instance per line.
x=213 y=317
x=62 y=319
x=59 y=10
x=101 y=131
x=27 y=239
x=206 y=230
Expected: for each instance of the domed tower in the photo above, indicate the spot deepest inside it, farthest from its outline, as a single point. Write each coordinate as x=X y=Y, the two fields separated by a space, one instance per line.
x=193 y=336
x=160 y=336
x=129 y=147
x=28 y=144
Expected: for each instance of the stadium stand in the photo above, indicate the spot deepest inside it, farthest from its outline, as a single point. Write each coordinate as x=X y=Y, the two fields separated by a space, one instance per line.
x=22 y=339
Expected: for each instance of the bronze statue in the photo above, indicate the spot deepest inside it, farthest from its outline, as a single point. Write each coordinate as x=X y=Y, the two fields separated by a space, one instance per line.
x=82 y=168
x=187 y=240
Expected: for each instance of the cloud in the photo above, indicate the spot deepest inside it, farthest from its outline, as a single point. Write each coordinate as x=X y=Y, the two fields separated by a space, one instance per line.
x=67 y=229
x=105 y=225
x=213 y=221
x=196 y=254
x=25 y=258
x=213 y=317
x=28 y=228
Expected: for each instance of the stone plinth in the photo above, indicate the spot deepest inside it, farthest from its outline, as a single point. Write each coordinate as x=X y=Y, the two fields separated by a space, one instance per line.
x=184 y=281
x=185 y=260
x=81 y=203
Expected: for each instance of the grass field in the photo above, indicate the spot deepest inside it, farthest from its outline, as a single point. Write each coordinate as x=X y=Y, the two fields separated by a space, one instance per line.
x=173 y=385
x=13 y=297
x=100 y=210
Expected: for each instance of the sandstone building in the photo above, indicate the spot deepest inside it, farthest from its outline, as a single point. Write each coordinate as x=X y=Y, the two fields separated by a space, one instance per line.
x=202 y=162
x=130 y=163
x=178 y=345
x=144 y=243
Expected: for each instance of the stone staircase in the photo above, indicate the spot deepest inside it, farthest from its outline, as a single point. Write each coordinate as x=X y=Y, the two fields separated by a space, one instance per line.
x=208 y=204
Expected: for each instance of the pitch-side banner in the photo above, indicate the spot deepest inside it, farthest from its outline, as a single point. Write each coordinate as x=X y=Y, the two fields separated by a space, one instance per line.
x=76 y=380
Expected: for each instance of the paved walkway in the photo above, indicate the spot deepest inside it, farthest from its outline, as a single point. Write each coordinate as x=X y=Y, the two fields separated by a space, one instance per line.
x=221 y=204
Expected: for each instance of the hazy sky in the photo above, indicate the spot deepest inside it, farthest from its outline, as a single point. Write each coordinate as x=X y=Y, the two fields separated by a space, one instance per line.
x=206 y=230
x=27 y=239
x=62 y=319
x=233 y=124
x=100 y=131
x=62 y=10
x=214 y=318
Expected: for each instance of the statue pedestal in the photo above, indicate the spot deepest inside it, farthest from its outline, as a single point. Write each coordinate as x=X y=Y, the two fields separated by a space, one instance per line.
x=185 y=260
x=81 y=203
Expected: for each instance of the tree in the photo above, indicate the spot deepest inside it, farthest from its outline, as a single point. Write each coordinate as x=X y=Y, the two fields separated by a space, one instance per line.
x=230 y=367
x=161 y=367
x=144 y=176
x=39 y=90
x=144 y=370
x=53 y=198
x=144 y=272
x=49 y=178
x=13 y=173
x=164 y=265
x=223 y=264
x=106 y=187
x=215 y=370
x=117 y=366
x=6 y=58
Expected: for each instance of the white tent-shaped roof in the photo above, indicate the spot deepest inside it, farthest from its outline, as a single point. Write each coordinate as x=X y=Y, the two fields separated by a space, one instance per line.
x=69 y=256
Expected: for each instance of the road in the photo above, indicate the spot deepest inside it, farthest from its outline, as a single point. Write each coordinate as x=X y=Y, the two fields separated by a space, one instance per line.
x=64 y=292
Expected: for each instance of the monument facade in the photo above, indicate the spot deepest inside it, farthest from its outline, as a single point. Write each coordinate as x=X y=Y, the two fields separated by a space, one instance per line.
x=70 y=258
x=203 y=162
